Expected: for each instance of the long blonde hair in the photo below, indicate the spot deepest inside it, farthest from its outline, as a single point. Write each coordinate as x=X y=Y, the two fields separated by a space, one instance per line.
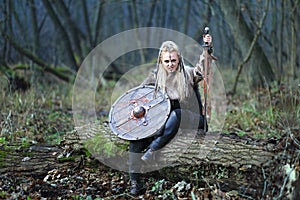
x=180 y=76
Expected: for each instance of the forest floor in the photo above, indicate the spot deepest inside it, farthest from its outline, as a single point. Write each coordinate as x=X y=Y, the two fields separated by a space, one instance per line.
x=84 y=178
x=33 y=119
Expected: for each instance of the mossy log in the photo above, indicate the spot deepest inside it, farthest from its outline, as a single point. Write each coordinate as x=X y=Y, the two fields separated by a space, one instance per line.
x=190 y=147
x=255 y=167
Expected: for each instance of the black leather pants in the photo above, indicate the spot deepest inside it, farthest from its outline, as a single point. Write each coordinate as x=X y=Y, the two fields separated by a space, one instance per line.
x=179 y=118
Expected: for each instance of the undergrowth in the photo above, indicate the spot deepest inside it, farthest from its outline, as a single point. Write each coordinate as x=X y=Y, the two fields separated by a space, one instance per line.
x=44 y=112
x=265 y=113
x=38 y=115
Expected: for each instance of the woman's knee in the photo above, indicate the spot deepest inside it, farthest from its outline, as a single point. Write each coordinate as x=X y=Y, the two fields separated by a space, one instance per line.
x=175 y=114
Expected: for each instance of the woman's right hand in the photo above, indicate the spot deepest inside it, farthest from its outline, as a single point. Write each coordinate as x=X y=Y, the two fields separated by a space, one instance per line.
x=207 y=39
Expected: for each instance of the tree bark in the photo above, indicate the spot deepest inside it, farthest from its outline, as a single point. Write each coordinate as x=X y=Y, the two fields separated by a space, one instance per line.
x=35 y=161
x=219 y=149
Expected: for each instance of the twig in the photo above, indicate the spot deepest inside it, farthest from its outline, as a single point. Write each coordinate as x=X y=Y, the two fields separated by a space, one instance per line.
x=210 y=187
x=121 y=195
x=80 y=163
x=295 y=140
x=265 y=183
x=246 y=196
x=283 y=185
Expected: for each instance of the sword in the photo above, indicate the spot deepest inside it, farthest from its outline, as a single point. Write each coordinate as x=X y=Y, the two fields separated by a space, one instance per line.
x=207 y=69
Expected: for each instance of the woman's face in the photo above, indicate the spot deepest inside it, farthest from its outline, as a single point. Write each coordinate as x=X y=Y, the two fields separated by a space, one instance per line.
x=170 y=61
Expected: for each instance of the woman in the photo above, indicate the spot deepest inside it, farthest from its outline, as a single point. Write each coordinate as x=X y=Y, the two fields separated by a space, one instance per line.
x=180 y=82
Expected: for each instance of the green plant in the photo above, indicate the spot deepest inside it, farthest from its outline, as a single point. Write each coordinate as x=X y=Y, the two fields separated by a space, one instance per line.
x=158 y=186
x=3 y=195
x=3 y=141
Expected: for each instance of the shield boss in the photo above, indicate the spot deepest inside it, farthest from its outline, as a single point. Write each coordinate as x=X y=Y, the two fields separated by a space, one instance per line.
x=139 y=114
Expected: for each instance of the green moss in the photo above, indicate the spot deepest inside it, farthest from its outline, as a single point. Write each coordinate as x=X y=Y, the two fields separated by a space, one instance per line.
x=68 y=159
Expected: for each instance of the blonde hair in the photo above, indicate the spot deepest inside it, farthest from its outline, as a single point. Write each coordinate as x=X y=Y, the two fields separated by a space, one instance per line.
x=180 y=76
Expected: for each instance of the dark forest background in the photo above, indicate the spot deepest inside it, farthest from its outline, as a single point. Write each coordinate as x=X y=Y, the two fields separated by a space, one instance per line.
x=258 y=36
x=42 y=46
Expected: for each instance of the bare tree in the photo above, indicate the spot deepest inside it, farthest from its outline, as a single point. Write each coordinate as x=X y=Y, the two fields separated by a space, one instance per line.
x=34 y=23
x=87 y=22
x=248 y=55
x=71 y=29
x=28 y=23
x=186 y=16
x=261 y=70
x=98 y=20
x=63 y=32
x=293 y=62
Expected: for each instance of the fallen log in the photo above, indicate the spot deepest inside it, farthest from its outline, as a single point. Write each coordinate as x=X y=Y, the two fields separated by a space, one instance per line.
x=255 y=168
x=243 y=166
x=190 y=147
x=33 y=161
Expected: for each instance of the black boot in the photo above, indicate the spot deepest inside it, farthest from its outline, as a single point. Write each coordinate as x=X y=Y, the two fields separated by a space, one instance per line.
x=136 y=188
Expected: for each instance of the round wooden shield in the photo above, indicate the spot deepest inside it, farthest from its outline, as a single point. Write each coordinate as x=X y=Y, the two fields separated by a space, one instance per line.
x=139 y=113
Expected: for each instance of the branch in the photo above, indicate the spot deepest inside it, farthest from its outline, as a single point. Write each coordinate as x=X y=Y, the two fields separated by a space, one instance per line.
x=249 y=53
x=44 y=66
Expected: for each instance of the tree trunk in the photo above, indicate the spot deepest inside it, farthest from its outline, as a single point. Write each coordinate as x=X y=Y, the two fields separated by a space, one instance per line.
x=255 y=168
x=87 y=22
x=98 y=24
x=251 y=167
x=293 y=52
x=34 y=23
x=186 y=16
x=35 y=161
x=219 y=149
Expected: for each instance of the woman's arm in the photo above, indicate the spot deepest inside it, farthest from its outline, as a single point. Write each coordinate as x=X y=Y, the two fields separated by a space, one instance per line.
x=199 y=68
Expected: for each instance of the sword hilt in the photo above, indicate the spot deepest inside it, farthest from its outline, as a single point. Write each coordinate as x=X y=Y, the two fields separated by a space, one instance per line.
x=205 y=32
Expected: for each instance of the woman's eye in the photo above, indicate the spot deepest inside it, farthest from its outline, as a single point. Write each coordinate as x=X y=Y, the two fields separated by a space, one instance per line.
x=166 y=61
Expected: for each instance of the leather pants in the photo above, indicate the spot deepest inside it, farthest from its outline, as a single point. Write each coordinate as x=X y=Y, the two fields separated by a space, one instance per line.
x=179 y=118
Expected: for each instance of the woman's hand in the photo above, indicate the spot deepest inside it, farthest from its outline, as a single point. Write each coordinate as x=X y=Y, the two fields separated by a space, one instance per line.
x=207 y=39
